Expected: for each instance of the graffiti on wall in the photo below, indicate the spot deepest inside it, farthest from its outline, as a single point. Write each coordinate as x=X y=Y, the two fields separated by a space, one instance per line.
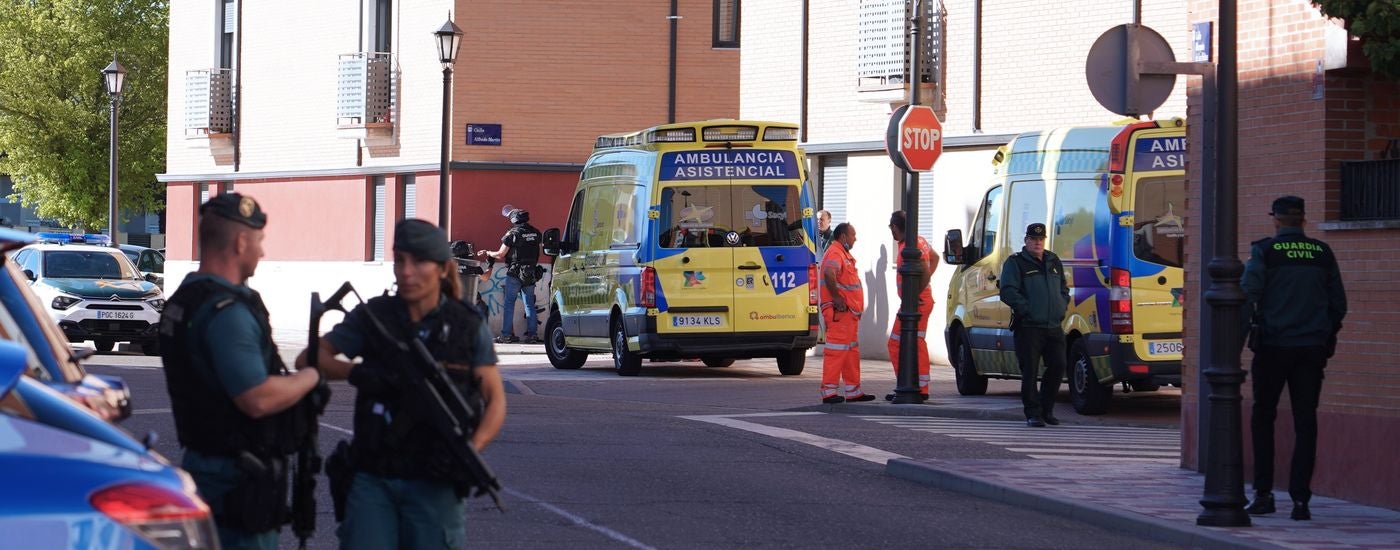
x=491 y=290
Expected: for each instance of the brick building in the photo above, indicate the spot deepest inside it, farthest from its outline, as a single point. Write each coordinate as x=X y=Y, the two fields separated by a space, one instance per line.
x=1314 y=122
x=329 y=113
x=1018 y=67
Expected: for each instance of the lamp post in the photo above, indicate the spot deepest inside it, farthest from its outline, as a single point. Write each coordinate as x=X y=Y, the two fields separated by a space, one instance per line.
x=449 y=38
x=1224 y=501
x=114 y=76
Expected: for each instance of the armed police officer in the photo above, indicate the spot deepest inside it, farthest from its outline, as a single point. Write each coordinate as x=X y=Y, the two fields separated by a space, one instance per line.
x=1034 y=286
x=1295 y=302
x=238 y=414
x=520 y=248
x=406 y=491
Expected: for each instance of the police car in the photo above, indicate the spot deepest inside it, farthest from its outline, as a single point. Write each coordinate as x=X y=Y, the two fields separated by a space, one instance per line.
x=93 y=291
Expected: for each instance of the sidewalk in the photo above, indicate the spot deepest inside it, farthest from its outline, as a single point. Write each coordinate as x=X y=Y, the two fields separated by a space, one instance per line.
x=1152 y=500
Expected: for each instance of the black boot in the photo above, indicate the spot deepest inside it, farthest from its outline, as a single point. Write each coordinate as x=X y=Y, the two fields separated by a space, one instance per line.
x=1300 y=511
x=1263 y=504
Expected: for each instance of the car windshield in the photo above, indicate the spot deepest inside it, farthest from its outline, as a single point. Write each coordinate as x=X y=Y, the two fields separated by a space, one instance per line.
x=87 y=264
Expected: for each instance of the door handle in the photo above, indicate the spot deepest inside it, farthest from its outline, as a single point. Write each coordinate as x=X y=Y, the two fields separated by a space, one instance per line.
x=750 y=265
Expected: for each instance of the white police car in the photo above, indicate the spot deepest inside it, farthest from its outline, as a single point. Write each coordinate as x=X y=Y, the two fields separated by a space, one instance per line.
x=93 y=291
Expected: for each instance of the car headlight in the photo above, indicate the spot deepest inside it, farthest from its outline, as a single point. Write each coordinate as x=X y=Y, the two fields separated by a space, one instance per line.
x=62 y=302
x=158 y=304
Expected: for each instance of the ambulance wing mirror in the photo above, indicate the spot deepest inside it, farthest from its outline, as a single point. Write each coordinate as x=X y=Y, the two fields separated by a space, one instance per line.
x=953 y=252
x=550 y=241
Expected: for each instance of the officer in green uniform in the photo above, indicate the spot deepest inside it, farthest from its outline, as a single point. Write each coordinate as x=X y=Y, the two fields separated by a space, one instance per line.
x=1294 y=302
x=406 y=491
x=1034 y=286
x=238 y=414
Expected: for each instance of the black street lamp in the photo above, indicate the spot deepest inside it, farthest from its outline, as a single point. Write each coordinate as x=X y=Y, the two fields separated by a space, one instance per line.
x=449 y=38
x=114 y=76
x=1224 y=501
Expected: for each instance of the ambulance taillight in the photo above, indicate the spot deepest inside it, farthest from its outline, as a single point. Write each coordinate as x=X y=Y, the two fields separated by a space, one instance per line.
x=1120 y=302
x=648 y=298
x=812 y=284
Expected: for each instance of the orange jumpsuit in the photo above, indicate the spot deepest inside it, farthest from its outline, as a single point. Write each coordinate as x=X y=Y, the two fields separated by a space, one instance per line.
x=841 y=354
x=925 y=308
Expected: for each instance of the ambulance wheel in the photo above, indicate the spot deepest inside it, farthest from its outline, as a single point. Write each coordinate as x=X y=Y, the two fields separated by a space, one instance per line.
x=104 y=345
x=964 y=370
x=1086 y=393
x=560 y=355
x=790 y=363
x=717 y=362
x=627 y=362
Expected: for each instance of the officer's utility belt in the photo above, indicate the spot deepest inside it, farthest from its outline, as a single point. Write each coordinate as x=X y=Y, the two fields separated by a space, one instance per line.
x=259 y=502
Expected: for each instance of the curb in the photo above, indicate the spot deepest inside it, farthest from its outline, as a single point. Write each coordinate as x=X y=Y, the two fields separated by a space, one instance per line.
x=1115 y=520
x=883 y=409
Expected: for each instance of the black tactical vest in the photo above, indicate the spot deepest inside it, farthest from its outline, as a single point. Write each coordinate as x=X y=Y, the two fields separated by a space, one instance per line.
x=392 y=438
x=206 y=418
x=526 y=248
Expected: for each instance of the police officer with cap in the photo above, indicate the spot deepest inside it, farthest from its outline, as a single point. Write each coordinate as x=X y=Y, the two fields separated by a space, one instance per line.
x=238 y=413
x=1294 y=302
x=1034 y=286
x=520 y=248
x=405 y=491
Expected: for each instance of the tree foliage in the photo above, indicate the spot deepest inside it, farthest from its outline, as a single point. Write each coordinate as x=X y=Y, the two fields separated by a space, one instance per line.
x=1377 y=24
x=54 y=127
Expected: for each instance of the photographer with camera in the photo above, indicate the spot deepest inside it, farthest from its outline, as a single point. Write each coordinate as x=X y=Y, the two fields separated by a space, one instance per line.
x=406 y=485
x=520 y=248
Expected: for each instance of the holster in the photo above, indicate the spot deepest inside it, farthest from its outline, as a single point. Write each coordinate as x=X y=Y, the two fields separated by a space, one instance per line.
x=341 y=473
x=1255 y=340
x=259 y=502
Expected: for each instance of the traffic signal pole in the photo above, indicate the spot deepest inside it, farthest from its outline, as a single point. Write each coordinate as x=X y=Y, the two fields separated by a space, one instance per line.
x=911 y=270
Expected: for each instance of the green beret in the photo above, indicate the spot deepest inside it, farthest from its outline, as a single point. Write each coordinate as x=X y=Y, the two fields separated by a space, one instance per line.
x=423 y=240
x=236 y=207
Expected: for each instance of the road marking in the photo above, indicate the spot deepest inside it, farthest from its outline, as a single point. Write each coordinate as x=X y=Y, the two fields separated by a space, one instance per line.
x=869 y=454
x=574 y=518
x=580 y=521
x=337 y=428
x=1114 y=443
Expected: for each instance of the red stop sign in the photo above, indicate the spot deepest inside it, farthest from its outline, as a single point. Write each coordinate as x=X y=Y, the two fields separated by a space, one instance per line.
x=914 y=139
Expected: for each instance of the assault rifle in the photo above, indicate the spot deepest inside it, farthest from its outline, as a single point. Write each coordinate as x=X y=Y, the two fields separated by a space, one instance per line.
x=435 y=398
x=308 y=459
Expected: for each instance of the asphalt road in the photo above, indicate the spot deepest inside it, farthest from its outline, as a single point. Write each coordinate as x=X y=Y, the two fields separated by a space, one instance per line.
x=686 y=456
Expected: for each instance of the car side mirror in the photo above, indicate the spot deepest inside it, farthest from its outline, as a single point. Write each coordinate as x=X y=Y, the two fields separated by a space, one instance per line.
x=151 y=278
x=29 y=274
x=550 y=241
x=953 y=247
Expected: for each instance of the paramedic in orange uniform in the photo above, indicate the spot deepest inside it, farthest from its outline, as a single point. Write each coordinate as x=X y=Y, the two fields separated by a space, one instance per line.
x=925 y=301
x=842 y=304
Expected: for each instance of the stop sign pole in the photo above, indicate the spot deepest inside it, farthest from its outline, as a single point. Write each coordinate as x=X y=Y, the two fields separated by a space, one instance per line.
x=913 y=146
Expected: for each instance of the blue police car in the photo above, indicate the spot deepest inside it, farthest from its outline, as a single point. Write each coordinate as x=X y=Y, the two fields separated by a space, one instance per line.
x=73 y=480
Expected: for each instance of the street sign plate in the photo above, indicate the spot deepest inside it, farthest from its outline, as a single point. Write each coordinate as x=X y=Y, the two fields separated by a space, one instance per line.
x=914 y=138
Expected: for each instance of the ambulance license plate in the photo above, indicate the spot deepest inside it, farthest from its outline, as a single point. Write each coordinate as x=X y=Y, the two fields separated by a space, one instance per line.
x=116 y=314
x=1165 y=348
x=703 y=321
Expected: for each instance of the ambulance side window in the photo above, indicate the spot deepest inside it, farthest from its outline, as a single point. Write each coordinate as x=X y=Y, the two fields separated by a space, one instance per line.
x=986 y=231
x=1027 y=206
x=571 y=231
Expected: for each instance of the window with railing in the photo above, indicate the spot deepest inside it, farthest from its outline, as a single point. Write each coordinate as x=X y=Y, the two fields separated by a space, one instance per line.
x=208 y=102
x=1371 y=190
x=883 y=47
x=365 y=89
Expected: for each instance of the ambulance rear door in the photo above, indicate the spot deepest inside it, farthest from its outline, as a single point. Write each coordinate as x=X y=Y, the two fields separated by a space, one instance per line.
x=774 y=257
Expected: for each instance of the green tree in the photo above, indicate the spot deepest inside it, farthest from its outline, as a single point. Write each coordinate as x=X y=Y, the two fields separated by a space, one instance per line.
x=54 y=106
x=1377 y=24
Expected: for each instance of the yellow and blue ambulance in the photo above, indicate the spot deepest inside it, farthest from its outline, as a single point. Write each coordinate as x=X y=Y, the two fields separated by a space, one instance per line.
x=690 y=240
x=1112 y=198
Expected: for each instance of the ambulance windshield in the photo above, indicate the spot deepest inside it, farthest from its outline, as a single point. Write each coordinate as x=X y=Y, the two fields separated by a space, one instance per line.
x=731 y=215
